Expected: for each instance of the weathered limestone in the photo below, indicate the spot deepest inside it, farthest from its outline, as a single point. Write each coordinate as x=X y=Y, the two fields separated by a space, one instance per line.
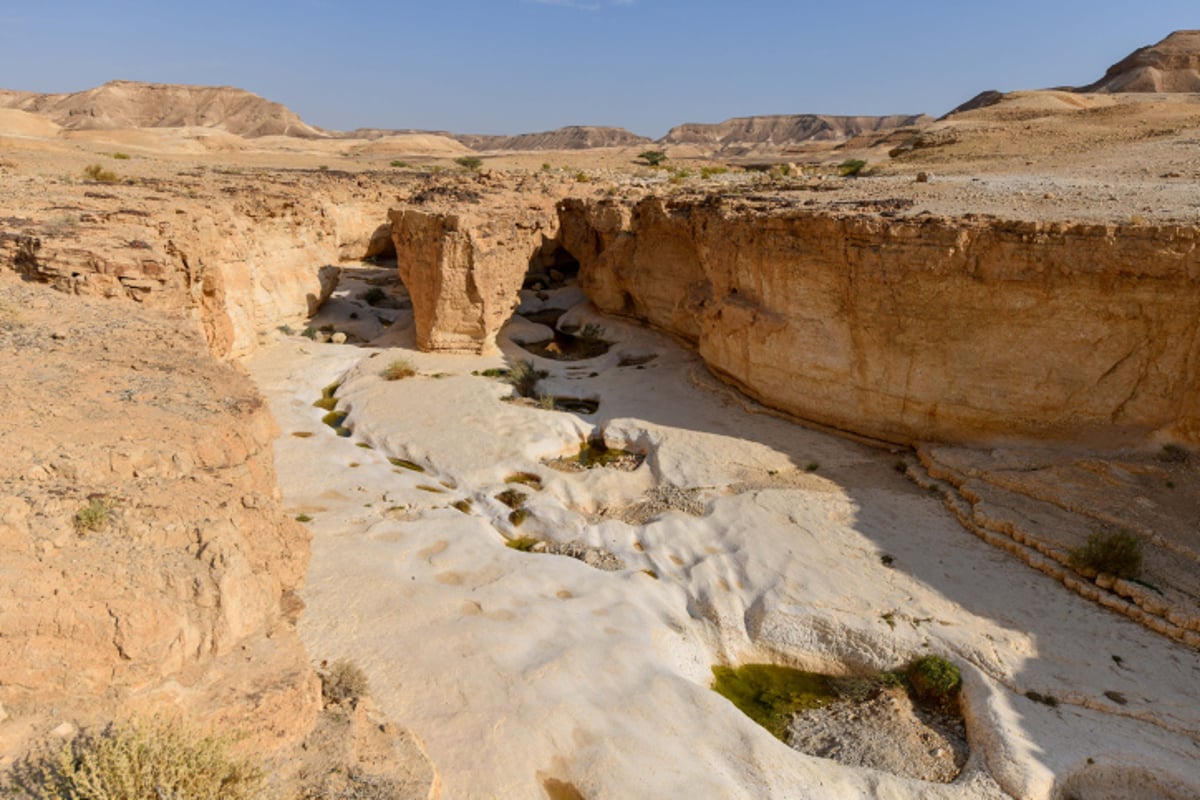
x=463 y=263
x=915 y=329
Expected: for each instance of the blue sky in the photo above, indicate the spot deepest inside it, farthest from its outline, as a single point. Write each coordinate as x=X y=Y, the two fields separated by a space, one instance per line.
x=510 y=66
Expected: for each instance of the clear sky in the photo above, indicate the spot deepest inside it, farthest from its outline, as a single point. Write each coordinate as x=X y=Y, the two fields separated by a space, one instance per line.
x=511 y=66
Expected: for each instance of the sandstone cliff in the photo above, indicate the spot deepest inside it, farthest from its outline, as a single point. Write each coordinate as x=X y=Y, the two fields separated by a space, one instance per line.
x=915 y=329
x=132 y=104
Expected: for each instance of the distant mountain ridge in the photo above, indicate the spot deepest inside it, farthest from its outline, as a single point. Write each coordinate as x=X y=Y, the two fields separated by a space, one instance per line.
x=784 y=130
x=572 y=137
x=132 y=104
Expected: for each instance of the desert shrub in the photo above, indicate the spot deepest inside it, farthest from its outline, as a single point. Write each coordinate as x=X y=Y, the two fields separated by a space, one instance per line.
x=851 y=167
x=94 y=515
x=398 y=369
x=524 y=378
x=374 y=296
x=121 y=156
x=400 y=164
x=708 y=172
x=309 y=333
x=545 y=166
x=96 y=172
x=1117 y=553
x=144 y=760
x=653 y=157
x=934 y=679
x=582 y=177
x=469 y=162
x=343 y=680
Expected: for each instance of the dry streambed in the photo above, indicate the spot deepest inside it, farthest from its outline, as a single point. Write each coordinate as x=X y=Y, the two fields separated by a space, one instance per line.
x=723 y=535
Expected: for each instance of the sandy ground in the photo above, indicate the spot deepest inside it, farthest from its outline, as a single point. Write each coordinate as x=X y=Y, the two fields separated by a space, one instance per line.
x=518 y=669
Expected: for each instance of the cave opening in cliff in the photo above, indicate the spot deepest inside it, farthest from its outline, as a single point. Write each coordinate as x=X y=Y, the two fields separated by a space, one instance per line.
x=551 y=267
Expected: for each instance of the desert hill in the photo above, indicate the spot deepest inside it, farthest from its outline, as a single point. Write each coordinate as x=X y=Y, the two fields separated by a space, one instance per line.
x=572 y=137
x=1172 y=65
x=132 y=104
x=742 y=134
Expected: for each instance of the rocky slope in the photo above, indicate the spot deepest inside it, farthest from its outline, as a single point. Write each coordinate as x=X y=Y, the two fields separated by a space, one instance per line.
x=132 y=104
x=745 y=134
x=180 y=589
x=915 y=329
x=1172 y=65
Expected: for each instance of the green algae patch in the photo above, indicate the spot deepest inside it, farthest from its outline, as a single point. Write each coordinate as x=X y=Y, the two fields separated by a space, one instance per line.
x=328 y=402
x=334 y=419
x=522 y=543
x=594 y=453
x=771 y=694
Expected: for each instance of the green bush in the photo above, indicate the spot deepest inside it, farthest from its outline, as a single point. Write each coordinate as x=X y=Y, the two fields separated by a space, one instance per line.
x=144 y=760
x=653 y=157
x=343 y=680
x=1117 y=553
x=400 y=164
x=121 y=156
x=934 y=679
x=851 y=167
x=469 y=162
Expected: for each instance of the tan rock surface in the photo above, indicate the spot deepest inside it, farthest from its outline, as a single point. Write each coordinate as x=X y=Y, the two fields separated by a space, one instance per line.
x=915 y=329
x=1172 y=65
x=464 y=248
x=171 y=598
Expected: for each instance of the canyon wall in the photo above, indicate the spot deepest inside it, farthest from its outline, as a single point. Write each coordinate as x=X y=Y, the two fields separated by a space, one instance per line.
x=240 y=255
x=915 y=329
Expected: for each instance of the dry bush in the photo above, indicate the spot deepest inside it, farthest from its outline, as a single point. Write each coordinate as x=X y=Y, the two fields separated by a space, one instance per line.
x=399 y=369
x=343 y=680
x=141 y=760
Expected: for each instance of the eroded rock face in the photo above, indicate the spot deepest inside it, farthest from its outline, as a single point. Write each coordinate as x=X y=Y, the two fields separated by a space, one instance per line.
x=247 y=263
x=915 y=329
x=178 y=592
x=463 y=255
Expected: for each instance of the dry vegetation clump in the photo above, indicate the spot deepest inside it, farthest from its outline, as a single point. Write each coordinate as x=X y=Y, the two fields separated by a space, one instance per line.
x=399 y=369
x=98 y=173
x=343 y=681
x=141 y=760
x=95 y=515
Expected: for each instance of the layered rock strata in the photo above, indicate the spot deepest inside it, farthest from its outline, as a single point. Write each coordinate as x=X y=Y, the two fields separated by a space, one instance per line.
x=912 y=329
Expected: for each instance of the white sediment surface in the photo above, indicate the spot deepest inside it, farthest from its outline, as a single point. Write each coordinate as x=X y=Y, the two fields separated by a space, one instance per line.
x=516 y=668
